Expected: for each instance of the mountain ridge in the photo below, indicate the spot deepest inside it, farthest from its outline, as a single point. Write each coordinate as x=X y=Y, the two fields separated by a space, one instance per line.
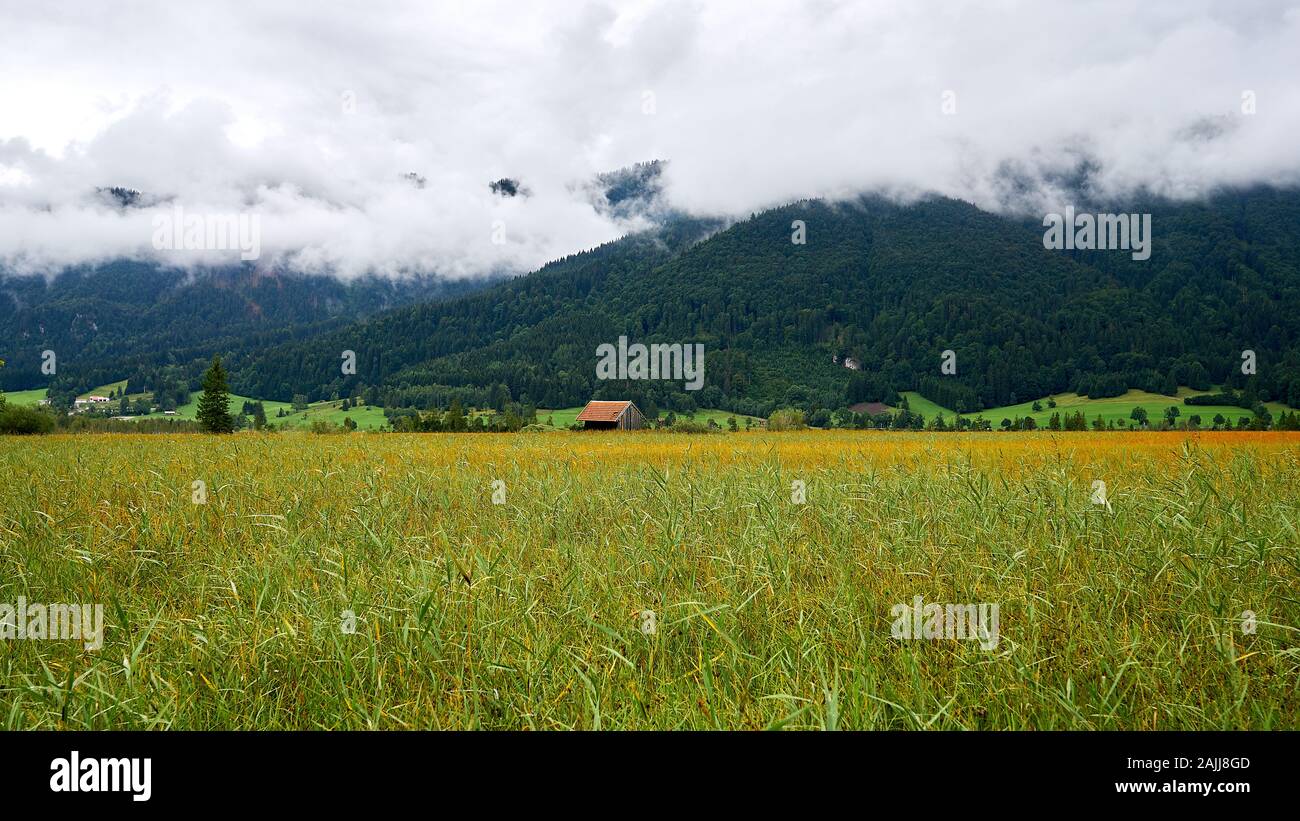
x=892 y=286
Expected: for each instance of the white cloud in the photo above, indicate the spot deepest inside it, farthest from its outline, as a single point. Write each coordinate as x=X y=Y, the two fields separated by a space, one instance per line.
x=241 y=106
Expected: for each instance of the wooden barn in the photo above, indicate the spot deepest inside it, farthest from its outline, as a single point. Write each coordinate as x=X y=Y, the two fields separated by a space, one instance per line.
x=611 y=416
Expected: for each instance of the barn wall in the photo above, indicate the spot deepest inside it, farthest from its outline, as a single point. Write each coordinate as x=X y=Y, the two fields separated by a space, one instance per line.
x=631 y=419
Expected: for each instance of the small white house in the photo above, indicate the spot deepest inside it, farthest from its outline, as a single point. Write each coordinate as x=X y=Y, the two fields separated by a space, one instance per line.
x=89 y=401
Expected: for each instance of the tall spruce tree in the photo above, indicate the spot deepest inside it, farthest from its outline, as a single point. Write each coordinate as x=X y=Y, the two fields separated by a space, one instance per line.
x=214 y=404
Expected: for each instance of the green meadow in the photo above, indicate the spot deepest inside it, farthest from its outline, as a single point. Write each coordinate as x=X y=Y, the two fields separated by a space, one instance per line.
x=366 y=417
x=1118 y=409
x=30 y=397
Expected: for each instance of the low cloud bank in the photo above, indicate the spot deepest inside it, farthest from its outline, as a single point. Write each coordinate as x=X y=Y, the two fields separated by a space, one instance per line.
x=367 y=142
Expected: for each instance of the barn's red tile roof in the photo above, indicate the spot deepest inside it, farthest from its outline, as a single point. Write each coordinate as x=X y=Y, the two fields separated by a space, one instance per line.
x=602 y=411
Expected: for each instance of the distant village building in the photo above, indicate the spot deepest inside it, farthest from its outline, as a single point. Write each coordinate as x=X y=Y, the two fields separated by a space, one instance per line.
x=611 y=416
x=85 y=404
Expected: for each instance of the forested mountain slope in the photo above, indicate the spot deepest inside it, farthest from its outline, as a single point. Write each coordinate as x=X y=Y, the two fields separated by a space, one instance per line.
x=891 y=286
x=130 y=319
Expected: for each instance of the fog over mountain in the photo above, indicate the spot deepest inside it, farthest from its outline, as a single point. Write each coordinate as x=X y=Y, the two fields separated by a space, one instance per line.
x=367 y=143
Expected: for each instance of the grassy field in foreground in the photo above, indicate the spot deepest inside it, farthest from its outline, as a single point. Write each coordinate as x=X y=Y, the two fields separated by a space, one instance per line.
x=768 y=613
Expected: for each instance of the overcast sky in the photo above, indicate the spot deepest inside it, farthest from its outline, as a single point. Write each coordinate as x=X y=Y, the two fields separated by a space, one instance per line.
x=308 y=114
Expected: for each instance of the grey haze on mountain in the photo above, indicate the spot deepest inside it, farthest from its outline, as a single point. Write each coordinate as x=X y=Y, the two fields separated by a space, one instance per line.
x=366 y=138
